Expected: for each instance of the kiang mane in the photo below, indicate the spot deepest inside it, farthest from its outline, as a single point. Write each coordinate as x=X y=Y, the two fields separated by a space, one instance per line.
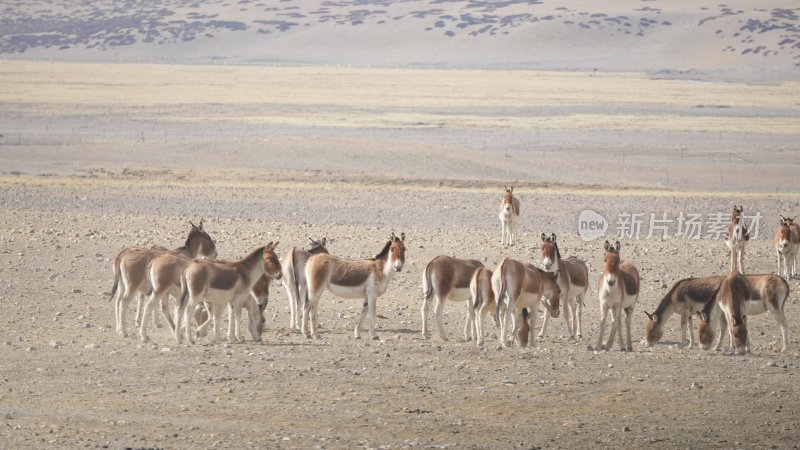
x=254 y=254
x=558 y=253
x=663 y=305
x=192 y=235
x=384 y=252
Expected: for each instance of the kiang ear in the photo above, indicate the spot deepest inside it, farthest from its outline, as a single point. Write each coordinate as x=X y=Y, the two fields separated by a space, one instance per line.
x=392 y=237
x=617 y=246
x=607 y=246
x=702 y=316
x=544 y=237
x=649 y=316
x=511 y=189
x=324 y=241
x=402 y=237
x=200 y=227
x=192 y=224
x=553 y=237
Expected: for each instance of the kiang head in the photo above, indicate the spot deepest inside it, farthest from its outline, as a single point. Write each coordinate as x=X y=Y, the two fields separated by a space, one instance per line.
x=653 y=331
x=611 y=263
x=550 y=253
x=397 y=251
x=318 y=246
x=199 y=242
x=272 y=264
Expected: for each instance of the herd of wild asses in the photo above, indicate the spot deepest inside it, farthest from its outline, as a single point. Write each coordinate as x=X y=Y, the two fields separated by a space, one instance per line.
x=203 y=284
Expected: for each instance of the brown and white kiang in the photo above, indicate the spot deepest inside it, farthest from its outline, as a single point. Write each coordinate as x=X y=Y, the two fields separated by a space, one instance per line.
x=517 y=286
x=447 y=278
x=509 y=213
x=573 y=279
x=737 y=238
x=618 y=290
x=131 y=268
x=366 y=279
x=293 y=266
x=223 y=283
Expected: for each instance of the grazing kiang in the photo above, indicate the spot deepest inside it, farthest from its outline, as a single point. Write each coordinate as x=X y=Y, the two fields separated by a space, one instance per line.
x=618 y=290
x=366 y=279
x=482 y=300
x=255 y=306
x=787 y=241
x=737 y=238
x=731 y=299
x=517 y=286
x=768 y=292
x=222 y=283
x=447 y=279
x=164 y=275
x=550 y=300
x=293 y=266
x=686 y=298
x=573 y=279
x=509 y=213
x=131 y=267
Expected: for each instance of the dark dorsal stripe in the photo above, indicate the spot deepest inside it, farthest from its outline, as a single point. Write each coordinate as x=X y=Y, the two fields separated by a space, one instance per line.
x=462 y=278
x=224 y=279
x=227 y=275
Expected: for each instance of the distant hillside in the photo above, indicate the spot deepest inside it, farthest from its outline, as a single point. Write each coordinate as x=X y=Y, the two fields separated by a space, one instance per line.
x=741 y=39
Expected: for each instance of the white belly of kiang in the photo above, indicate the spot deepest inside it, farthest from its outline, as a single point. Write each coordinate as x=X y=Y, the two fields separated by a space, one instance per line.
x=753 y=307
x=347 y=291
x=459 y=295
x=218 y=296
x=527 y=300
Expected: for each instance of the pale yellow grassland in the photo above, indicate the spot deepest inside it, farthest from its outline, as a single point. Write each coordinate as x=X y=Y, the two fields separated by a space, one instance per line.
x=361 y=97
x=248 y=179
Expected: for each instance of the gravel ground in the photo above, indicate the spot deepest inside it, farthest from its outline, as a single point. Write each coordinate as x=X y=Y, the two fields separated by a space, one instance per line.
x=68 y=381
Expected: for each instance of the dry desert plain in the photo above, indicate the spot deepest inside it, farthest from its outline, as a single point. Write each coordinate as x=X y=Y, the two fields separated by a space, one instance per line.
x=96 y=157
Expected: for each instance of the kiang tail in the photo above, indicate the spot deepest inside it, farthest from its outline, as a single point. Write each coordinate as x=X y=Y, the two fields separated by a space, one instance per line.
x=184 y=293
x=116 y=281
x=427 y=287
x=502 y=292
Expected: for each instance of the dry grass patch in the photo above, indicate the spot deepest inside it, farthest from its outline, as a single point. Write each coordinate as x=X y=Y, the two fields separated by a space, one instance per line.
x=398 y=98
